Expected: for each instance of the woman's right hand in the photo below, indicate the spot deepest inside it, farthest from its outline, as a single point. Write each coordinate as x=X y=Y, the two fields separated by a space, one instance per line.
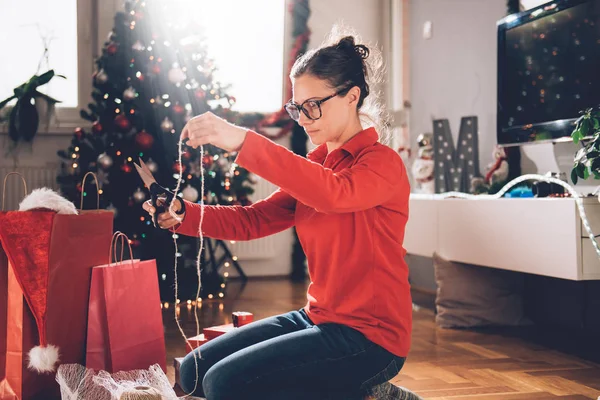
x=165 y=220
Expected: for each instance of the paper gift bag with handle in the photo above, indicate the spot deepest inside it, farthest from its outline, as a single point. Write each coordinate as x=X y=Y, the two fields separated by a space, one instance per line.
x=45 y=271
x=125 y=327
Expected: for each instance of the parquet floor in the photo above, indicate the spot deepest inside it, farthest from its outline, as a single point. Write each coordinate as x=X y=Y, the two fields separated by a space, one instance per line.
x=443 y=364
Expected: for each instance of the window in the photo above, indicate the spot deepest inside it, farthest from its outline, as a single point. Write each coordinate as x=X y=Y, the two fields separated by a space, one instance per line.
x=246 y=40
x=26 y=28
x=67 y=27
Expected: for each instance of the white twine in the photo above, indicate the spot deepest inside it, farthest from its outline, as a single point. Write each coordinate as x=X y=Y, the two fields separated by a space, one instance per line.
x=198 y=258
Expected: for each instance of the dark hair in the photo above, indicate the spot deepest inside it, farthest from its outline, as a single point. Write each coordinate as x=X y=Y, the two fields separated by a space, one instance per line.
x=344 y=64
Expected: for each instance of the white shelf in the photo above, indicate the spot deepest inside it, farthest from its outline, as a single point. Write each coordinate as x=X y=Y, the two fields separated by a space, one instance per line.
x=542 y=236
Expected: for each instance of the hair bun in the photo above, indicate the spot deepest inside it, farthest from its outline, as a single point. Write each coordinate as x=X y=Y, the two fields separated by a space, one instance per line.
x=362 y=50
x=348 y=44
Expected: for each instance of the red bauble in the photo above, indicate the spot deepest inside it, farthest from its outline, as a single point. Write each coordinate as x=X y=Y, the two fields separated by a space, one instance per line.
x=201 y=94
x=178 y=109
x=123 y=123
x=126 y=168
x=178 y=168
x=156 y=69
x=186 y=155
x=207 y=161
x=144 y=140
x=78 y=133
x=79 y=187
x=97 y=127
x=112 y=48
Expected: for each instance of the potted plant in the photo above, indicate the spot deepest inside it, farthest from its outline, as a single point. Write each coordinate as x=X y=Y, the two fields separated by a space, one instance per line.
x=24 y=118
x=587 y=159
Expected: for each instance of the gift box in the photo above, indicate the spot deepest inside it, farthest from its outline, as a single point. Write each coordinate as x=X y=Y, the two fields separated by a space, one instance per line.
x=177 y=364
x=241 y=318
x=196 y=342
x=216 y=331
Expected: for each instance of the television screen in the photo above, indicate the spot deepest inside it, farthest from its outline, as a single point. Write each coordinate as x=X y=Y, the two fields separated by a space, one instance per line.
x=548 y=70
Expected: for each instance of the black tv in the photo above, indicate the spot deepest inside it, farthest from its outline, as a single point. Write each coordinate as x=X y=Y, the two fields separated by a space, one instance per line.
x=548 y=70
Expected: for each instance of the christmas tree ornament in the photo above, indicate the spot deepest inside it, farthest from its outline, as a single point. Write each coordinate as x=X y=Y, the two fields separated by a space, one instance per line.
x=129 y=93
x=156 y=69
x=144 y=140
x=158 y=101
x=112 y=48
x=222 y=162
x=152 y=166
x=78 y=133
x=102 y=177
x=138 y=46
x=188 y=116
x=190 y=193
x=126 y=168
x=97 y=127
x=178 y=109
x=101 y=77
x=176 y=75
x=208 y=160
x=112 y=209
x=166 y=125
x=200 y=94
x=179 y=168
x=123 y=123
x=105 y=161
x=139 y=196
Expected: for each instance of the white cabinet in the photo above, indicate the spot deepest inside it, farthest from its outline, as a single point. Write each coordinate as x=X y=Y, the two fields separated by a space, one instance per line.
x=542 y=236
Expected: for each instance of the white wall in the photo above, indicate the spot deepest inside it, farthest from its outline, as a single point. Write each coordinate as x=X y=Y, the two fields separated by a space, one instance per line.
x=453 y=74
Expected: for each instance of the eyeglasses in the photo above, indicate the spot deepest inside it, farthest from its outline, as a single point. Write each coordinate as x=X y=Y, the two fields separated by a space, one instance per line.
x=310 y=108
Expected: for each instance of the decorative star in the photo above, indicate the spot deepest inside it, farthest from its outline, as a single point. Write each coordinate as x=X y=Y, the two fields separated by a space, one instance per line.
x=102 y=177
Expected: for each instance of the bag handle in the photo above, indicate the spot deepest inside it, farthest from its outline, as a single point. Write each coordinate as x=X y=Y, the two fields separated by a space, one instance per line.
x=4 y=185
x=83 y=190
x=112 y=252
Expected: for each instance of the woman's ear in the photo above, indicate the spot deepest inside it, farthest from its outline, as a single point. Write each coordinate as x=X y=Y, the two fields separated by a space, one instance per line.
x=353 y=95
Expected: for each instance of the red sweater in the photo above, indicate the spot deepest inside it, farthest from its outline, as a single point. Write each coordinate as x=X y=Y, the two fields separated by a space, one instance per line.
x=350 y=209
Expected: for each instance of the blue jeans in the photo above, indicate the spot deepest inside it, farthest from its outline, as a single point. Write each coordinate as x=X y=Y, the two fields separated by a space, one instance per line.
x=288 y=357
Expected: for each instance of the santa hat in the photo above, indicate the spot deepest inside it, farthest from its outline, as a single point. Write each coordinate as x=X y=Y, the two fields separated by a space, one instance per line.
x=25 y=238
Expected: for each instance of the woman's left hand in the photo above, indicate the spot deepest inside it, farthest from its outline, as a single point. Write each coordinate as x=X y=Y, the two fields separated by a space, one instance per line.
x=210 y=129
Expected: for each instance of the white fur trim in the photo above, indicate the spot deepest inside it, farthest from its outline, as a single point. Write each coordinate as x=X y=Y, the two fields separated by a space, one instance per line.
x=43 y=359
x=49 y=199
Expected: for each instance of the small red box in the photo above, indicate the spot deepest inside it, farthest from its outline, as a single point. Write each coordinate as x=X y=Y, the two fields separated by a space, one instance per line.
x=216 y=331
x=196 y=342
x=241 y=318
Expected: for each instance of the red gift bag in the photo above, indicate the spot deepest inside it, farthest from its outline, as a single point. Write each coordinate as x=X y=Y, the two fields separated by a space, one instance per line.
x=125 y=328
x=75 y=244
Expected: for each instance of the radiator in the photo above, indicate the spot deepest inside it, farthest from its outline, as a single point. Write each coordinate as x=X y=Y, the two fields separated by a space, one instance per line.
x=36 y=177
x=259 y=248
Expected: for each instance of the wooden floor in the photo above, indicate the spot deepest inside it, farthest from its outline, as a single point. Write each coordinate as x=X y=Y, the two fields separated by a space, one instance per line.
x=443 y=364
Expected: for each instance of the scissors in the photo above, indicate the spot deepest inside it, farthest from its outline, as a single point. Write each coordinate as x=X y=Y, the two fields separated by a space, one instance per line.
x=161 y=197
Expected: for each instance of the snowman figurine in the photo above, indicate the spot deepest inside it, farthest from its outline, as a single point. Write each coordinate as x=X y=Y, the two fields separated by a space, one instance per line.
x=423 y=166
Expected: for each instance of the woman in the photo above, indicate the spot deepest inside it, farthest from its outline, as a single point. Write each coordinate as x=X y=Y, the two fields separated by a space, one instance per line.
x=349 y=203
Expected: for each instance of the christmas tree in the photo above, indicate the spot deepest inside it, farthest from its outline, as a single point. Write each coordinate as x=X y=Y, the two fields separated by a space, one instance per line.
x=149 y=81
